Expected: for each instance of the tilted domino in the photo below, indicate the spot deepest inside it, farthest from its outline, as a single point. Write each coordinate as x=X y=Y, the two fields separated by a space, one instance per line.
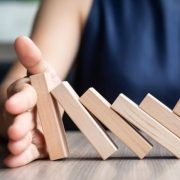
x=69 y=100
x=101 y=108
x=50 y=117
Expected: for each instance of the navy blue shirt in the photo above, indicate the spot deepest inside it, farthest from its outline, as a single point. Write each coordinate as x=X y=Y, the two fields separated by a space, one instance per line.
x=131 y=47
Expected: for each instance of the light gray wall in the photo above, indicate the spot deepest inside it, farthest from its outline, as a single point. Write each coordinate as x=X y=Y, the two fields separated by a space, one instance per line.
x=15 y=19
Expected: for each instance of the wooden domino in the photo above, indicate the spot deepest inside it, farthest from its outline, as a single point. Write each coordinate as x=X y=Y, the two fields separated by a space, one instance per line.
x=151 y=116
x=131 y=112
x=176 y=109
x=50 y=118
x=69 y=100
x=161 y=113
x=101 y=108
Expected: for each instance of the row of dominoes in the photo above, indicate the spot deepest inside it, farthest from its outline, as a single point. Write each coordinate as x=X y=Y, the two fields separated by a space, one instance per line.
x=151 y=116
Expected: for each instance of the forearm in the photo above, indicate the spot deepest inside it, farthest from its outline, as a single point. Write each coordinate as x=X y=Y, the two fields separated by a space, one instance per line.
x=56 y=32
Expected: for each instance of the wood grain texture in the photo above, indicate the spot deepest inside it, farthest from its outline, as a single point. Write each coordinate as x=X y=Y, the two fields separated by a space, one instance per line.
x=161 y=113
x=176 y=109
x=50 y=118
x=101 y=108
x=69 y=100
x=85 y=163
x=130 y=111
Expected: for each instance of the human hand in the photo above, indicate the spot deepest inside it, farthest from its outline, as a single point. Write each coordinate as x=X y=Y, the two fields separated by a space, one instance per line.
x=26 y=139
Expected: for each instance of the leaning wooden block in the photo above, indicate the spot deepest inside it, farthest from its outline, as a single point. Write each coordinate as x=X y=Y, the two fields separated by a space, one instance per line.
x=50 y=118
x=69 y=100
x=130 y=111
x=101 y=108
x=176 y=109
x=161 y=113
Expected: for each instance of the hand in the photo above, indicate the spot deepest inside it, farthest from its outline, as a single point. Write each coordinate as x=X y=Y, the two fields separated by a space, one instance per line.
x=26 y=140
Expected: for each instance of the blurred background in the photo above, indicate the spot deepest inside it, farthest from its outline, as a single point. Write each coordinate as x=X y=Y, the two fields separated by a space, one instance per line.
x=16 y=17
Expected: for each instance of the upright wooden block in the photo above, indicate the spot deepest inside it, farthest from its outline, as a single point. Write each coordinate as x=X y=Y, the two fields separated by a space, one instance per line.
x=101 y=108
x=69 y=100
x=50 y=118
x=130 y=111
x=161 y=113
x=176 y=109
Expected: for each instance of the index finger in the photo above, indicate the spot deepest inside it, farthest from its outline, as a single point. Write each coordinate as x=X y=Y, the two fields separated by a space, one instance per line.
x=22 y=101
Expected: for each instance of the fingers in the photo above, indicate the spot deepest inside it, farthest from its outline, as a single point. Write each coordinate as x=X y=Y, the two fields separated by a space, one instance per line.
x=27 y=149
x=22 y=101
x=29 y=55
x=30 y=154
x=22 y=124
x=18 y=147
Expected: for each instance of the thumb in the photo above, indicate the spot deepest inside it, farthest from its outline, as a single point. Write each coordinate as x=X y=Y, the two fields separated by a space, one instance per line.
x=29 y=55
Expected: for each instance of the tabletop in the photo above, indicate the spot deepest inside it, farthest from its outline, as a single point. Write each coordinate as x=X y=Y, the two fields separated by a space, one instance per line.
x=85 y=163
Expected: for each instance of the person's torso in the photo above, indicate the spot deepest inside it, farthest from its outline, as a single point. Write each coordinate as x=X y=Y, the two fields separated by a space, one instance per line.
x=131 y=47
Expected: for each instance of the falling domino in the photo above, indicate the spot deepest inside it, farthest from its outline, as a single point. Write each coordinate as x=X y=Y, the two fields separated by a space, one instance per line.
x=50 y=118
x=69 y=100
x=100 y=108
x=130 y=111
x=161 y=113
x=176 y=109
